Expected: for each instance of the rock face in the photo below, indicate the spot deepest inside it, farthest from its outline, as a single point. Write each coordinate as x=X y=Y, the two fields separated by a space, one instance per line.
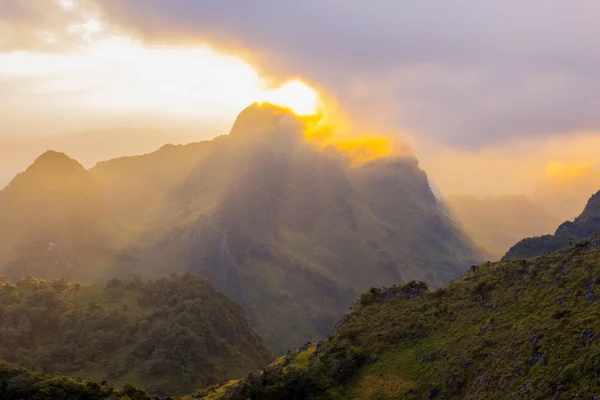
x=291 y=232
x=582 y=227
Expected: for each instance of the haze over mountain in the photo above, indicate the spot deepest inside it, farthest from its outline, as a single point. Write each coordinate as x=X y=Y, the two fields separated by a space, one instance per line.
x=582 y=227
x=55 y=223
x=17 y=153
x=290 y=231
x=375 y=150
x=566 y=189
x=497 y=223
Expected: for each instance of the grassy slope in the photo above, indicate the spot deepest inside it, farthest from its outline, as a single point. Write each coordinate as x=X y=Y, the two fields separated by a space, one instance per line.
x=522 y=329
x=170 y=335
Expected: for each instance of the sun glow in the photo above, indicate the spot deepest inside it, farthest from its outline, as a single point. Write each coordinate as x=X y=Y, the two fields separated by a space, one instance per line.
x=116 y=75
x=294 y=95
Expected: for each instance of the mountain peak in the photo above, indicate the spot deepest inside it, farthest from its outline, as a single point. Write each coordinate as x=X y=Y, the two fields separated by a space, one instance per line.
x=51 y=169
x=593 y=204
x=56 y=161
x=582 y=227
x=266 y=118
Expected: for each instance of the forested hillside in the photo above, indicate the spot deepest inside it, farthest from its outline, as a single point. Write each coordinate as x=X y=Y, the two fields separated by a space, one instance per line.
x=169 y=335
x=18 y=384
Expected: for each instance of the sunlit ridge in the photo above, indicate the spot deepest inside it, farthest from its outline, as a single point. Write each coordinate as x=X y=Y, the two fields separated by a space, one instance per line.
x=294 y=95
x=326 y=126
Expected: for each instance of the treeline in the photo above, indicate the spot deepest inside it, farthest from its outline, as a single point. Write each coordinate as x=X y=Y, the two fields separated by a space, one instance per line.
x=19 y=383
x=169 y=335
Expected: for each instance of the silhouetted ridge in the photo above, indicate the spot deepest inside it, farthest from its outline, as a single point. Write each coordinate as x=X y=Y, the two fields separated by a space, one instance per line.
x=593 y=204
x=263 y=119
x=56 y=159
x=582 y=227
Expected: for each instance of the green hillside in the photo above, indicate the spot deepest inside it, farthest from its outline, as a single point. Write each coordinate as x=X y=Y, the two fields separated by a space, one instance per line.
x=18 y=383
x=169 y=335
x=584 y=226
x=525 y=329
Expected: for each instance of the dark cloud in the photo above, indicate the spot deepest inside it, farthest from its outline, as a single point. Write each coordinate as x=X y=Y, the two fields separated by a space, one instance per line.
x=467 y=73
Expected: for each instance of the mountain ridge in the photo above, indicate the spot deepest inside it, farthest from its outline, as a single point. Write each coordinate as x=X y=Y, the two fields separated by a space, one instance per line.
x=582 y=227
x=291 y=231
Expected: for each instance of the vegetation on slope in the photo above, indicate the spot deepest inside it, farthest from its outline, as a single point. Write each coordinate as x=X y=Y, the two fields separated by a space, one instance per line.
x=19 y=383
x=517 y=329
x=584 y=226
x=169 y=335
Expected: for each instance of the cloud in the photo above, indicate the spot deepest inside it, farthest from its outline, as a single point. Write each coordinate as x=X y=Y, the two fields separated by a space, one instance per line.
x=516 y=166
x=46 y=25
x=491 y=91
x=467 y=73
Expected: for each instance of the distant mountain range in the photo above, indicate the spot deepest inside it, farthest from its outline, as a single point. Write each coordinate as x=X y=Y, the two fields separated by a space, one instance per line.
x=497 y=223
x=568 y=233
x=291 y=232
x=565 y=193
x=16 y=154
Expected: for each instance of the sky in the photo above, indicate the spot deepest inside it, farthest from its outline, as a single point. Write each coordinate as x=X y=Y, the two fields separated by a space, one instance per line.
x=492 y=96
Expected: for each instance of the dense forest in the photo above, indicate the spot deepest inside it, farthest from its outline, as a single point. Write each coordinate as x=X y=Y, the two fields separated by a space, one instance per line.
x=18 y=384
x=169 y=335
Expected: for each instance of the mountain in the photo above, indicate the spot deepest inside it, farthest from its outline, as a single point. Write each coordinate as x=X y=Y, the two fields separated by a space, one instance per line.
x=497 y=223
x=54 y=222
x=87 y=147
x=169 y=335
x=565 y=188
x=291 y=231
x=582 y=227
x=516 y=329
